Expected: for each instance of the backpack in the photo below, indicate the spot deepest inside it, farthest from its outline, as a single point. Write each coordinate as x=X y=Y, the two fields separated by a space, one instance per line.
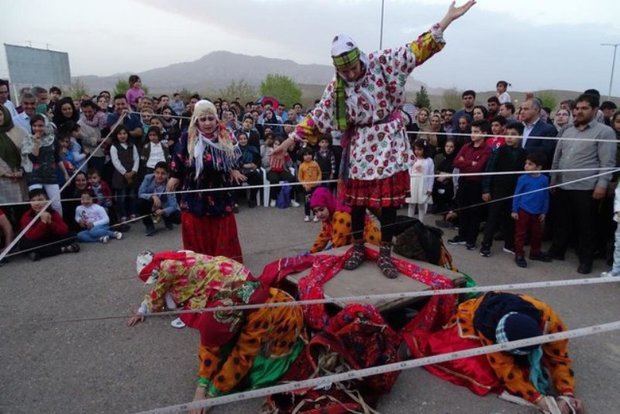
x=284 y=198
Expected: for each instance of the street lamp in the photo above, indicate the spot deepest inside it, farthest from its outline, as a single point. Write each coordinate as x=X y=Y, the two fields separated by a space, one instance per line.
x=613 y=64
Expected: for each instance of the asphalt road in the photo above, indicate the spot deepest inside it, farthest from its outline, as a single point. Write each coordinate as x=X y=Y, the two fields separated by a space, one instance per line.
x=53 y=361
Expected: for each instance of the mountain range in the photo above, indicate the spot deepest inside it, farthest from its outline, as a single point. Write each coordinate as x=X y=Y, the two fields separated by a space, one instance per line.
x=217 y=70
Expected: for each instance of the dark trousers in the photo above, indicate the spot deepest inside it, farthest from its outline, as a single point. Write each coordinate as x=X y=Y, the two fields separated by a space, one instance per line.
x=276 y=177
x=47 y=246
x=499 y=218
x=255 y=178
x=528 y=224
x=307 y=196
x=574 y=214
x=387 y=220
x=145 y=207
x=469 y=194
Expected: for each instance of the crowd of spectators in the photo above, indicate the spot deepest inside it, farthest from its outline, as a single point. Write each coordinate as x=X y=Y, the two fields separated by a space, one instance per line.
x=49 y=138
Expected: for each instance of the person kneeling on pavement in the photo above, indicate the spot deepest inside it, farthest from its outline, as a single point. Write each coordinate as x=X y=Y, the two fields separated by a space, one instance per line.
x=154 y=203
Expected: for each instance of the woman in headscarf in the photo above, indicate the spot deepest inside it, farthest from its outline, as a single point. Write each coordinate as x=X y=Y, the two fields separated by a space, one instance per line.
x=12 y=184
x=64 y=112
x=540 y=374
x=239 y=349
x=336 y=222
x=206 y=158
x=363 y=101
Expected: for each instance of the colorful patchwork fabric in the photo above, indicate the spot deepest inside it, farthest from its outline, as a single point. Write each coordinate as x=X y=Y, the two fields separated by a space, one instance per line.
x=338 y=232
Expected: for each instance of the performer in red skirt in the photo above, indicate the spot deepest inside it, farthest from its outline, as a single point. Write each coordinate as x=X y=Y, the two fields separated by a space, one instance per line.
x=206 y=159
x=364 y=102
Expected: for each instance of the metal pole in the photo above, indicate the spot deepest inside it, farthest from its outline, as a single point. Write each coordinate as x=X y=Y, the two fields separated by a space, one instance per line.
x=613 y=66
x=381 y=33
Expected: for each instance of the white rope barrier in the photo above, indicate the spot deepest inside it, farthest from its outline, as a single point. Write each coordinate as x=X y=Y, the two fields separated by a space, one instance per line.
x=326 y=381
x=364 y=298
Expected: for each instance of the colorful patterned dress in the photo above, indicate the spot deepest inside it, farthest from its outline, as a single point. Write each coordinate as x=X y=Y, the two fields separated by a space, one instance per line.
x=208 y=223
x=377 y=154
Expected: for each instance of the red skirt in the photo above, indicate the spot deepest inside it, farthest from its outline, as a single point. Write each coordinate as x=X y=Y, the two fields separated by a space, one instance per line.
x=213 y=236
x=385 y=192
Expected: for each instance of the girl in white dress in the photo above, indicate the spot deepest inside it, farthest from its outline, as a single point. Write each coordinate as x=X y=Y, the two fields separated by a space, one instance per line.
x=421 y=174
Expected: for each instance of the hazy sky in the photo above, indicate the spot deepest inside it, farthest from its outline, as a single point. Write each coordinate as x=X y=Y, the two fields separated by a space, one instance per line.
x=532 y=44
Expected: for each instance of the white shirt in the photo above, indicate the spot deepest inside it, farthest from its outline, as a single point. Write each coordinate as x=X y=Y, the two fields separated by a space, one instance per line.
x=504 y=98
x=527 y=130
x=23 y=121
x=92 y=214
x=156 y=155
x=11 y=108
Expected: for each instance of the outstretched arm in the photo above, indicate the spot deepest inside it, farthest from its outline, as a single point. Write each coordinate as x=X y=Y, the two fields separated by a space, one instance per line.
x=454 y=13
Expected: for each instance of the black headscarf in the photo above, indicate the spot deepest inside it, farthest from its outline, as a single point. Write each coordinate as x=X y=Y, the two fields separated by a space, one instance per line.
x=59 y=119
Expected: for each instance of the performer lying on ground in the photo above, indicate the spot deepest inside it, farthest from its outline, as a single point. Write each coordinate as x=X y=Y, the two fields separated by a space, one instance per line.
x=238 y=349
x=498 y=317
x=363 y=101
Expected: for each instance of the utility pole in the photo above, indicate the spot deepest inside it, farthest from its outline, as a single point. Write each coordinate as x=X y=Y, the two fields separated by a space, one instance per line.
x=613 y=65
x=381 y=33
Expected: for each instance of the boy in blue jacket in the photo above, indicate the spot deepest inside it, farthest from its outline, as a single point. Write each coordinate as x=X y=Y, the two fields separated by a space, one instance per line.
x=529 y=208
x=155 y=205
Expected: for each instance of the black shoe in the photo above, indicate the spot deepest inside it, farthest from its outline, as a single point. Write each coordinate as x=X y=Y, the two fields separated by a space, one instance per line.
x=456 y=241
x=150 y=230
x=541 y=257
x=584 y=268
x=252 y=203
x=471 y=246
x=520 y=261
x=485 y=251
x=34 y=256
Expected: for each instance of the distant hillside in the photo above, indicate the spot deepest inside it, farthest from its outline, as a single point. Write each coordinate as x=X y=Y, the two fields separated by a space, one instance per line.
x=217 y=70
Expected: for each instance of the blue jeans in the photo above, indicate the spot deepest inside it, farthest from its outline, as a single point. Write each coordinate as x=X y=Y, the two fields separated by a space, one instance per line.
x=615 y=270
x=94 y=234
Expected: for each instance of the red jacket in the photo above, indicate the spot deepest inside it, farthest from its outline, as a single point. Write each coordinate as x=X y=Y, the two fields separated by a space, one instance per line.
x=40 y=230
x=471 y=154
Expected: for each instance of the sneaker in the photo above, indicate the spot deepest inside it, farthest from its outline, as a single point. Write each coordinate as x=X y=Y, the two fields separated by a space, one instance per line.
x=471 y=246
x=456 y=241
x=508 y=250
x=307 y=219
x=150 y=230
x=609 y=274
x=295 y=203
x=520 y=261
x=104 y=239
x=485 y=251
x=118 y=235
x=315 y=219
x=272 y=203
x=541 y=257
x=132 y=217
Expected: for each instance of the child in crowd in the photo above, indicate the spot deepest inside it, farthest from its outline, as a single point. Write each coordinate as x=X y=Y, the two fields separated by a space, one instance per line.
x=336 y=222
x=6 y=231
x=422 y=180
x=326 y=159
x=498 y=130
x=615 y=269
x=529 y=208
x=153 y=152
x=501 y=87
x=472 y=158
x=164 y=136
x=497 y=190
x=443 y=187
x=72 y=160
x=309 y=174
x=278 y=170
x=156 y=205
x=146 y=115
x=135 y=91
x=125 y=159
x=49 y=236
x=94 y=221
x=250 y=162
x=100 y=189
